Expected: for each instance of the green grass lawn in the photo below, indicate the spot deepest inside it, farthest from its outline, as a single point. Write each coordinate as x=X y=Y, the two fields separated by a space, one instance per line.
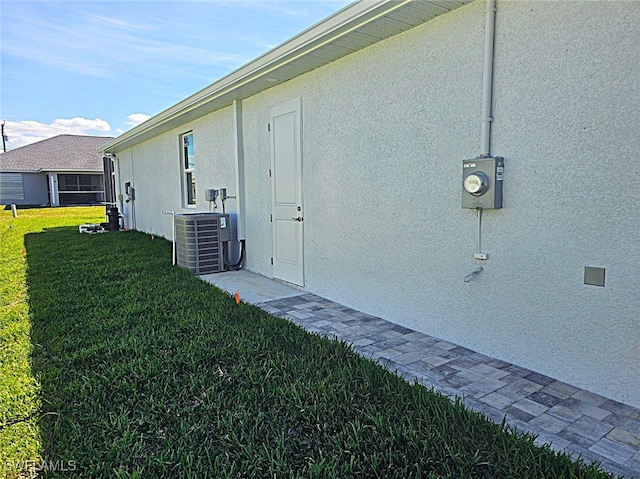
x=20 y=399
x=116 y=364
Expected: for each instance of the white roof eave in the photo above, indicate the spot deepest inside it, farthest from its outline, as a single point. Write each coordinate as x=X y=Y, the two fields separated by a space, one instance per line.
x=252 y=77
x=91 y=171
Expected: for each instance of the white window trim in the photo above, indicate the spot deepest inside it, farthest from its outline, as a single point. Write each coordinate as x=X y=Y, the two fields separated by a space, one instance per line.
x=184 y=172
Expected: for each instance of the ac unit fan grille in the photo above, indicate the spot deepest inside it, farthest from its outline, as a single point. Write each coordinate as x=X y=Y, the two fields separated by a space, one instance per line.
x=199 y=242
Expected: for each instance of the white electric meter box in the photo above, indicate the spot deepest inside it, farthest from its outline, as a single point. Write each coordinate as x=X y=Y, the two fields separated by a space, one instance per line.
x=482 y=183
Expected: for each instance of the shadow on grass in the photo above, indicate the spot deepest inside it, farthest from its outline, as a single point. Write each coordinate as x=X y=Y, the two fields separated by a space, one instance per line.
x=147 y=371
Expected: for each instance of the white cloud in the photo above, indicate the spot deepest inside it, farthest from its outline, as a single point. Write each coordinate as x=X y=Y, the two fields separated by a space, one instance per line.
x=117 y=23
x=25 y=132
x=104 y=46
x=136 y=118
x=82 y=124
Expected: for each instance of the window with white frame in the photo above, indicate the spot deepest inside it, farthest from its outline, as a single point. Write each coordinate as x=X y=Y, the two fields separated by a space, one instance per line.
x=188 y=169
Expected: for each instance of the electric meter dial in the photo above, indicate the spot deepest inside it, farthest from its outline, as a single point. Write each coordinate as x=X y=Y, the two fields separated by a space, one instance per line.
x=482 y=180
x=476 y=183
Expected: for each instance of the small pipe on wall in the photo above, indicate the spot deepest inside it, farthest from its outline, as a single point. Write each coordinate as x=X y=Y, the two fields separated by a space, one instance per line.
x=239 y=160
x=173 y=234
x=487 y=78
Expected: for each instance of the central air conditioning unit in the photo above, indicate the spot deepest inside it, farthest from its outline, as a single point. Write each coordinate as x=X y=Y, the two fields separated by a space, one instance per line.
x=199 y=238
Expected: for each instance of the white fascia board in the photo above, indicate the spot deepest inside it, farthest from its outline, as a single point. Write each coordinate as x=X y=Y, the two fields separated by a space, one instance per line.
x=72 y=171
x=349 y=18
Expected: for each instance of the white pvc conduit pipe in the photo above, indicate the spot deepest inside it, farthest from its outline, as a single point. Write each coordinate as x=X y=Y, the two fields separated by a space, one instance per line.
x=487 y=100
x=487 y=78
x=173 y=233
x=239 y=157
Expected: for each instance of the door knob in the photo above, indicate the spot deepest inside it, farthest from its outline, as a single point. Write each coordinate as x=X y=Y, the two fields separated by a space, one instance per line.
x=298 y=219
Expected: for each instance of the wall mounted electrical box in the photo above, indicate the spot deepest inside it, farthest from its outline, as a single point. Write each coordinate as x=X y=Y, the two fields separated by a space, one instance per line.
x=210 y=194
x=482 y=183
x=130 y=191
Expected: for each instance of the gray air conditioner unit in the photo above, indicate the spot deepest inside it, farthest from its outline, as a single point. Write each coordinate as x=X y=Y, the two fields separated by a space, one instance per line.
x=199 y=238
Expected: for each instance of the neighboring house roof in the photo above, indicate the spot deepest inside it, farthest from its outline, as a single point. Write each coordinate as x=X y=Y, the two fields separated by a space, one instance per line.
x=356 y=26
x=60 y=153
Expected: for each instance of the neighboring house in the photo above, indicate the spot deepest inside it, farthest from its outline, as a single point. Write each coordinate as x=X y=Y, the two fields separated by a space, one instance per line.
x=359 y=126
x=60 y=171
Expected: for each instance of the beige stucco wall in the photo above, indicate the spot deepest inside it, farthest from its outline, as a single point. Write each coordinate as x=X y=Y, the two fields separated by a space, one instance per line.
x=154 y=169
x=385 y=131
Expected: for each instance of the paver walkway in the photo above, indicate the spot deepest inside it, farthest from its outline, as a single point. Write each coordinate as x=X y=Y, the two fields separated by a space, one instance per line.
x=571 y=419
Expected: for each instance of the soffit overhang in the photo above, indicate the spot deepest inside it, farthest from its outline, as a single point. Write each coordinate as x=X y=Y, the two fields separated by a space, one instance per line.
x=356 y=26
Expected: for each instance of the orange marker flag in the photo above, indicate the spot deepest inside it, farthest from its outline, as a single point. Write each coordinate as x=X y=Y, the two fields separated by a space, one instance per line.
x=237 y=296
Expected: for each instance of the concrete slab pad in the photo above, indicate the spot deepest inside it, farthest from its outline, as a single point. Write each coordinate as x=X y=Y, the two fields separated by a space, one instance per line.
x=253 y=288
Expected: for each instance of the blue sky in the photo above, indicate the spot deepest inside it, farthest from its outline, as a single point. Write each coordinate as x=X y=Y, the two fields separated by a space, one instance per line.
x=101 y=67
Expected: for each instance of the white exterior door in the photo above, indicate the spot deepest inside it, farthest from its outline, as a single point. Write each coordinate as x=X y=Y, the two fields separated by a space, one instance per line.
x=286 y=181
